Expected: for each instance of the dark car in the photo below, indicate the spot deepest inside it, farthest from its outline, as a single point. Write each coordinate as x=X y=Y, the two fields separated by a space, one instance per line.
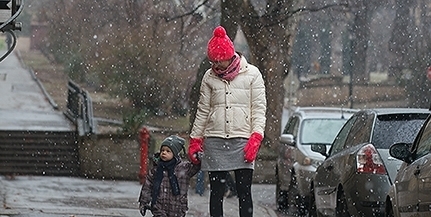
x=410 y=193
x=355 y=177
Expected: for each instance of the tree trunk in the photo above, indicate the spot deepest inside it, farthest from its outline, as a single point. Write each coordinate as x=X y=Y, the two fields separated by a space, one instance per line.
x=399 y=43
x=270 y=48
x=360 y=31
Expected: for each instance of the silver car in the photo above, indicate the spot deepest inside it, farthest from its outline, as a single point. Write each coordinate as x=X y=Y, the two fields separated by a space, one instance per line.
x=296 y=162
x=410 y=194
x=356 y=175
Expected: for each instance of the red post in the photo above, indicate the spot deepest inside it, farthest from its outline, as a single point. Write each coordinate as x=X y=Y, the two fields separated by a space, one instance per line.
x=144 y=139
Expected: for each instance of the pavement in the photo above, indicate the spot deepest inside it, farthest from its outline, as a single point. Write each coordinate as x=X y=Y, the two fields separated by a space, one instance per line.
x=42 y=196
x=24 y=106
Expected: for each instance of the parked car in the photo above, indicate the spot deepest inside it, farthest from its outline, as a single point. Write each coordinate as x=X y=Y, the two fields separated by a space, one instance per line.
x=355 y=177
x=296 y=162
x=409 y=195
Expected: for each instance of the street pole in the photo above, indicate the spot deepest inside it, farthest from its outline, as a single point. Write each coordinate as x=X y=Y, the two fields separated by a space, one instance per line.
x=351 y=88
x=351 y=38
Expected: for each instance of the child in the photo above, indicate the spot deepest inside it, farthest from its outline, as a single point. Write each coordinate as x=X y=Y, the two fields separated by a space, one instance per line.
x=165 y=189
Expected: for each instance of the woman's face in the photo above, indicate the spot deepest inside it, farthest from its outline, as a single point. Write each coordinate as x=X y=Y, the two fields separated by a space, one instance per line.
x=166 y=153
x=221 y=65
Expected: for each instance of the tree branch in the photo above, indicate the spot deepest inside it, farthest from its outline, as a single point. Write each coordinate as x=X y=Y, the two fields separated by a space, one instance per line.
x=168 y=19
x=303 y=9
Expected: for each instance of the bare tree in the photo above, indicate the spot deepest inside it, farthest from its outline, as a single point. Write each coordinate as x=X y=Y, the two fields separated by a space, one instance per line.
x=400 y=39
x=410 y=47
x=267 y=30
x=132 y=49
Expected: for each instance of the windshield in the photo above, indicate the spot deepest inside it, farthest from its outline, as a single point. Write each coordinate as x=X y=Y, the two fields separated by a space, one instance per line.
x=321 y=131
x=391 y=129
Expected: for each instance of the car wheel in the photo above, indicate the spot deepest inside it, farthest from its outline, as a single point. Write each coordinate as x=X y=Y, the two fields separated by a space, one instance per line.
x=281 y=197
x=300 y=202
x=389 y=212
x=294 y=198
x=303 y=205
x=312 y=212
x=341 y=209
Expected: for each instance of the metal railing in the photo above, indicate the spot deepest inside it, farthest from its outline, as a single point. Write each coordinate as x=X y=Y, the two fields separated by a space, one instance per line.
x=79 y=109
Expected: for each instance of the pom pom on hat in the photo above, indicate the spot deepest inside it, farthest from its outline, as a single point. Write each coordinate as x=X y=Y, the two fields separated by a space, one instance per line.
x=175 y=143
x=220 y=47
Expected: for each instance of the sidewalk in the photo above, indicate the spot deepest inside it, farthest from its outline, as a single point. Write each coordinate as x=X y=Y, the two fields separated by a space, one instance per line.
x=40 y=196
x=23 y=105
x=263 y=202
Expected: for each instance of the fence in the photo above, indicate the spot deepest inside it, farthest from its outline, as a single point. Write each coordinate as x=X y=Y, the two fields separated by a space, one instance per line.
x=79 y=109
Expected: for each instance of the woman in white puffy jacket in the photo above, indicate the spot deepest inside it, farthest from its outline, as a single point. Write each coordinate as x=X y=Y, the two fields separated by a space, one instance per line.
x=230 y=122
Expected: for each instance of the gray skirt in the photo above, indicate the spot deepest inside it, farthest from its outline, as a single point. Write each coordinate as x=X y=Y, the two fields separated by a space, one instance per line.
x=224 y=154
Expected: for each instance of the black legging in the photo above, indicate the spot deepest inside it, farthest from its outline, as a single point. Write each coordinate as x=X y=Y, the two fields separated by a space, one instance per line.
x=243 y=178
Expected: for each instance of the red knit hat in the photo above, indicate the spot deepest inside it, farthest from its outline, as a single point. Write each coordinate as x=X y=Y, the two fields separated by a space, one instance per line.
x=220 y=47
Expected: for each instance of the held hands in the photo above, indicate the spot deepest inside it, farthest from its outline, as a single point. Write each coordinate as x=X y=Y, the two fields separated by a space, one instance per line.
x=252 y=147
x=143 y=208
x=194 y=148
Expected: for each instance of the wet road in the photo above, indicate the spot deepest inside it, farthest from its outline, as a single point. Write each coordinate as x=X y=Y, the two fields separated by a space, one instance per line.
x=39 y=196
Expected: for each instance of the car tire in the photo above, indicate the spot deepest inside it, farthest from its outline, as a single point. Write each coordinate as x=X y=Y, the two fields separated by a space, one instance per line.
x=294 y=199
x=281 y=197
x=300 y=202
x=389 y=212
x=303 y=205
x=312 y=212
x=341 y=209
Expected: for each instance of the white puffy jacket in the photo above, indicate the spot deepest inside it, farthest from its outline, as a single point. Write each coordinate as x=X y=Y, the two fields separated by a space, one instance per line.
x=231 y=109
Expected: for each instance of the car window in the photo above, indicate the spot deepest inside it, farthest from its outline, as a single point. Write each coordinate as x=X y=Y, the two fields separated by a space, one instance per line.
x=320 y=131
x=292 y=126
x=424 y=142
x=361 y=130
x=391 y=129
x=338 y=143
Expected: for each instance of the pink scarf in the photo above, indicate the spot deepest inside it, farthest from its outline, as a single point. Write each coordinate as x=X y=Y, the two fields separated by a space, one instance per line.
x=231 y=71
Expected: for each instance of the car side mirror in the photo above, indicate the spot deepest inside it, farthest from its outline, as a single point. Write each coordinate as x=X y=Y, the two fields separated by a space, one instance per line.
x=319 y=148
x=401 y=151
x=287 y=139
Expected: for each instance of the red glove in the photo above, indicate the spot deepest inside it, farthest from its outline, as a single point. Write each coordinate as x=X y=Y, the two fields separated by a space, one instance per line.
x=252 y=147
x=194 y=148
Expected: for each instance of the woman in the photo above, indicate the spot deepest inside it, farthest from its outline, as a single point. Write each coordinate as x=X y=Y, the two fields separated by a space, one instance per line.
x=230 y=122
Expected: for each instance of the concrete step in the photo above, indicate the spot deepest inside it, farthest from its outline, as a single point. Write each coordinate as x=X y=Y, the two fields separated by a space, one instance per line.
x=39 y=153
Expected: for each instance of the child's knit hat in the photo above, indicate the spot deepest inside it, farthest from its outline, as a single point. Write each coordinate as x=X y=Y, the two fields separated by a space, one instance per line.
x=175 y=143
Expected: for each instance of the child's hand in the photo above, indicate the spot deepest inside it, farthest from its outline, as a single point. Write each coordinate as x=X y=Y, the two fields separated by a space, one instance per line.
x=143 y=208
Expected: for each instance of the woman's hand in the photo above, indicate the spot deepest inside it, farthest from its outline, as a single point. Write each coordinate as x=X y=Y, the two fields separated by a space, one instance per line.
x=195 y=148
x=252 y=147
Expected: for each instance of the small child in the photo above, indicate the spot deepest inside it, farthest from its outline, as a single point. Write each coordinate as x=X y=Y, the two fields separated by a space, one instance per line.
x=165 y=189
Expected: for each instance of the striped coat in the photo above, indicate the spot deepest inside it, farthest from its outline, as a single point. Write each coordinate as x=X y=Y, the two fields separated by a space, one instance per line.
x=167 y=204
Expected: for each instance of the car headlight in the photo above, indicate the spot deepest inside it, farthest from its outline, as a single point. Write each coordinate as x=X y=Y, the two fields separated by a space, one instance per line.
x=306 y=161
